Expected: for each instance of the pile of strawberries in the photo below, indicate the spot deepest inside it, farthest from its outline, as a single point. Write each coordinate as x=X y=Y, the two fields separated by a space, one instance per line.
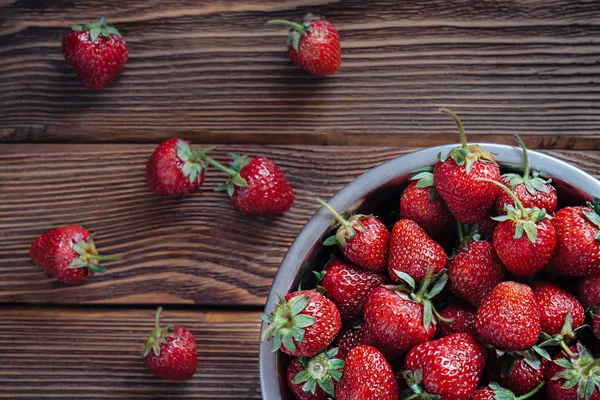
x=480 y=291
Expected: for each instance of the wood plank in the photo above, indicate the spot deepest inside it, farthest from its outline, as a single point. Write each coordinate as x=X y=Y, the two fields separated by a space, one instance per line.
x=57 y=353
x=213 y=72
x=195 y=249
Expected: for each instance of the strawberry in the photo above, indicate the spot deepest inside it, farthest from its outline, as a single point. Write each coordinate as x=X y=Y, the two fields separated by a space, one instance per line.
x=588 y=291
x=456 y=179
x=578 y=244
x=363 y=239
x=555 y=305
x=573 y=375
x=508 y=318
x=68 y=253
x=420 y=202
x=348 y=286
x=449 y=367
x=462 y=318
x=400 y=317
x=412 y=251
x=516 y=374
x=256 y=186
x=531 y=189
x=596 y=324
x=304 y=322
x=315 y=378
x=523 y=254
x=475 y=270
x=496 y=392
x=171 y=352
x=96 y=51
x=175 y=168
x=351 y=337
x=313 y=45
x=367 y=376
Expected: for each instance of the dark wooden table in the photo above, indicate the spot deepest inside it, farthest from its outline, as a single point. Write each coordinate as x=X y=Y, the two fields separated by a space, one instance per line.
x=214 y=73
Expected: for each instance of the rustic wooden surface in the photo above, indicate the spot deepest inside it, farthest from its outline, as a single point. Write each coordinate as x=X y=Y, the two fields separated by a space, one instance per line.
x=212 y=71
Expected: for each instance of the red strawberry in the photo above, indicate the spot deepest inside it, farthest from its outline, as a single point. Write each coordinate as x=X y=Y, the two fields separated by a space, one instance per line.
x=315 y=378
x=475 y=271
x=313 y=45
x=348 y=286
x=68 y=253
x=421 y=203
x=531 y=189
x=256 y=186
x=363 y=239
x=554 y=305
x=449 y=367
x=171 y=352
x=303 y=323
x=96 y=51
x=524 y=254
x=367 y=376
x=351 y=337
x=175 y=168
x=588 y=291
x=508 y=318
x=462 y=318
x=574 y=376
x=456 y=179
x=521 y=379
x=578 y=245
x=401 y=317
x=495 y=391
x=412 y=251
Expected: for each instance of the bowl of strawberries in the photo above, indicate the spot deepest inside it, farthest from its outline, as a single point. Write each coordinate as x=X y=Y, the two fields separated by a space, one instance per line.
x=455 y=272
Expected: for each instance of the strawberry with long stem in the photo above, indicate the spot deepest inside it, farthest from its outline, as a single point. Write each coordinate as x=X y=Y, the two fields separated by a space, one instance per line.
x=362 y=238
x=525 y=238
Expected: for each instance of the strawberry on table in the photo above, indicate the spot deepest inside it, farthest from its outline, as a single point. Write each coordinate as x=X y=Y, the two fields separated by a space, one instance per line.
x=456 y=179
x=363 y=239
x=412 y=251
x=303 y=323
x=170 y=352
x=313 y=45
x=449 y=367
x=508 y=318
x=68 y=253
x=578 y=245
x=521 y=378
x=420 y=202
x=475 y=270
x=574 y=376
x=96 y=51
x=348 y=286
x=525 y=238
x=315 y=378
x=367 y=376
x=588 y=291
x=256 y=186
x=175 y=168
x=462 y=317
x=496 y=392
x=530 y=188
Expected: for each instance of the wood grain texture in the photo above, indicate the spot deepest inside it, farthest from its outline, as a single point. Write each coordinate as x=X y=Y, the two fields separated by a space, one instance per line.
x=213 y=72
x=195 y=249
x=55 y=353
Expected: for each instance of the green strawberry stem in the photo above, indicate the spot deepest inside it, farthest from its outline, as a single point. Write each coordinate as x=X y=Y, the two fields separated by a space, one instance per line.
x=103 y=258
x=157 y=319
x=337 y=216
x=508 y=191
x=461 y=235
x=567 y=350
x=532 y=393
x=236 y=179
x=525 y=156
x=293 y=25
x=461 y=130
x=586 y=371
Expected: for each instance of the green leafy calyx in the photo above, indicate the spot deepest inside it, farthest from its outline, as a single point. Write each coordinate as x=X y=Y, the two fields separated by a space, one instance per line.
x=593 y=215
x=533 y=182
x=286 y=324
x=235 y=179
x=424 y=179
x=88 y=256
x=158 y=336
x=297 y=30
x=97 y=28
x=415 y=390
x=347 y=227
x=501 y=393
x=320 y=370
x=192 y=161
x=582 y=371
